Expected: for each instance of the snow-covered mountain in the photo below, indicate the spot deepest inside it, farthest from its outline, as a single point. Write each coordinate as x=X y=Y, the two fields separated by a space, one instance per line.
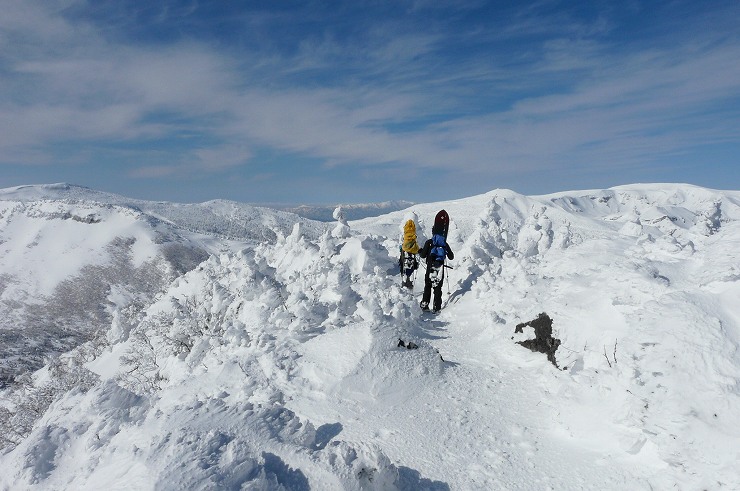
x=225 y=219
x=275 y=364
x=72 y=257
x=352 y=211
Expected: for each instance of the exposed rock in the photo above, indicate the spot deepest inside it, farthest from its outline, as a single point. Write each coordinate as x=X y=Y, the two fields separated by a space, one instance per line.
x=543 y=341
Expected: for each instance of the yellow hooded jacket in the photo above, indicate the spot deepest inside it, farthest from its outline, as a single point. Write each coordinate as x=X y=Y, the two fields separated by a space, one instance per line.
x=409 y=238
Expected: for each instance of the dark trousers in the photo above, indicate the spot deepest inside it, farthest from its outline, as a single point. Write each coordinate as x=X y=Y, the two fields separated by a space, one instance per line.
x=402 y=264
x=437 y=289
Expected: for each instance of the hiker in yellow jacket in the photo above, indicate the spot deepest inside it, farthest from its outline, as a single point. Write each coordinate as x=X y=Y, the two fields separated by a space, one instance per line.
x=408 y=263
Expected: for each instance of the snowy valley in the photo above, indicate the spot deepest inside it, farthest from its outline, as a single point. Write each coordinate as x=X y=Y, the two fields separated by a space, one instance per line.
x=224 y=346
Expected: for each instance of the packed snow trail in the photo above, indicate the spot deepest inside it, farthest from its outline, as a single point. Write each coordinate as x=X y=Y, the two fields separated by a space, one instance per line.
x=424 y=412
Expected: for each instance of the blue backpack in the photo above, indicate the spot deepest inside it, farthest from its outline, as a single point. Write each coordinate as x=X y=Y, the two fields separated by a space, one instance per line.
x=438 y=252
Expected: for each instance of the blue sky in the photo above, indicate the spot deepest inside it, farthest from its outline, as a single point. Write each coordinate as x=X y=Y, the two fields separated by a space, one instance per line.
x=362 y=101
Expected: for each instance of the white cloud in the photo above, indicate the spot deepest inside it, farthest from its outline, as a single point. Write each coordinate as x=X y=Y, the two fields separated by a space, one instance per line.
x=218 y=158
x=35 y=25
x=154 y=171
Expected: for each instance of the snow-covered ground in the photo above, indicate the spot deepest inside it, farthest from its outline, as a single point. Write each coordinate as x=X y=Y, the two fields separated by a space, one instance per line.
x=70 y=257
x=275 y=364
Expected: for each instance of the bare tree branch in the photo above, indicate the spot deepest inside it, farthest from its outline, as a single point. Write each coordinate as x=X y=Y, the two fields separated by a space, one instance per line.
x=607 y=357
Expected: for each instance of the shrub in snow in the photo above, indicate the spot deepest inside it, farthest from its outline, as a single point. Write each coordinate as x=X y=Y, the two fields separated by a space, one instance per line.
x=342 y=229
x=536 y=235
x=82 y=307
x=141 y=374
x=31 y=397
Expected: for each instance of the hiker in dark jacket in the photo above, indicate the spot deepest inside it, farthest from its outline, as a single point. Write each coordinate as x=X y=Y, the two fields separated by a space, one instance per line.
x=435 y=251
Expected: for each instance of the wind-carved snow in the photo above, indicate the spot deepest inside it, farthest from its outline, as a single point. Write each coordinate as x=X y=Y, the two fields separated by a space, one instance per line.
x=276 y=365
x=71 y=259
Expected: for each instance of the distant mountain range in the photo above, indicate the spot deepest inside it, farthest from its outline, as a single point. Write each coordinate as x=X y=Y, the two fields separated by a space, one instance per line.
x=351 y=211
x=179 y=212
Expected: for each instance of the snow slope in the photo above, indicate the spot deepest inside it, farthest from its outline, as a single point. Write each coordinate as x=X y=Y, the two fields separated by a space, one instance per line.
x=277 y=366
x=70 y=257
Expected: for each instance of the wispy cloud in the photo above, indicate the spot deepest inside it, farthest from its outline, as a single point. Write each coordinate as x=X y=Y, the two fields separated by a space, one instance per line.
x=552 y=92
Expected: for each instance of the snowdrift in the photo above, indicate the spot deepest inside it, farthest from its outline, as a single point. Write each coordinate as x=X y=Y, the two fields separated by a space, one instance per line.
x=276 y=365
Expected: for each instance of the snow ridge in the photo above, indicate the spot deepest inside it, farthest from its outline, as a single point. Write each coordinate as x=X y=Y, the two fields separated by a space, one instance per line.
x=275 y=365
